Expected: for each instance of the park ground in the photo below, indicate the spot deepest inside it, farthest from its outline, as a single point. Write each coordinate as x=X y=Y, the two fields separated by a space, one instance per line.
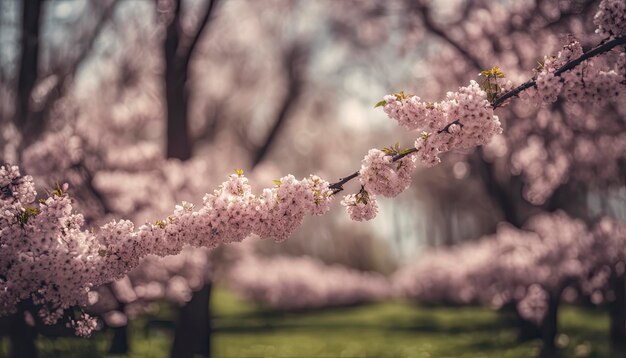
x=384 y=330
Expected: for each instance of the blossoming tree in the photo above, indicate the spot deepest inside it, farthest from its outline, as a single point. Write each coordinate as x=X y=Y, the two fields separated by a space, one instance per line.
x=51 y=260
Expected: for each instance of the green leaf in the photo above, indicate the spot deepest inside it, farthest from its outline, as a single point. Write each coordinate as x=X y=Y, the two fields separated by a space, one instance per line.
x=494 y=72
x=540 y=65
x=380 y=104
x=57 y=191
x=24 y=216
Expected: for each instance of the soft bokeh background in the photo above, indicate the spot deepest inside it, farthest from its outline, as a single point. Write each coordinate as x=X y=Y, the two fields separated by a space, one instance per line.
x=141 y=104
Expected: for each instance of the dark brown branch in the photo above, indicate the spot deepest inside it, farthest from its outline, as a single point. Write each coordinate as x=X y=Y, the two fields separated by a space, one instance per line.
x=214 y=117
x=178 y=50
x=499 y=101
x=90 y=187
x=338 y=186
x=33 y=120
x=447 y=127
x=107 y=13
x=598 y=50
x=424 y=12
x=500 y=195
x=195 y=39
x=576 y=10
x=294 y=66
x=29 y=62
x=70 y=71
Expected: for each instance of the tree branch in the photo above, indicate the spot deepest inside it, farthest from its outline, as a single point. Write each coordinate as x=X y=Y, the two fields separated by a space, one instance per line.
x=188 y=51
x=36 y=118
x=294 y=66
x=424 y=12
x=500 y=100
x=73 y=67
x=90 y=187
x=598 y=50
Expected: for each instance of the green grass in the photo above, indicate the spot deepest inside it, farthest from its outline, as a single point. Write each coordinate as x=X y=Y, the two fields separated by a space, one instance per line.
x=394 y=329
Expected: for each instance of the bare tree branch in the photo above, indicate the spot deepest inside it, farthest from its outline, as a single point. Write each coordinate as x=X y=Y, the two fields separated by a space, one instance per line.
x=193 y=43
x=179 y=49
x=33 y=120
x=430 y=25
x=294 y=66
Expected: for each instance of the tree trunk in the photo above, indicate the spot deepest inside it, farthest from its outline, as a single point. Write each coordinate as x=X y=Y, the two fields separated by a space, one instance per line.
x=28 y=66
x=549 y=327
x=119 y=343
x=193 y=328
x=294 y=65
x=528 y=331
x=503 y=196
x=176 y=96
x=617 y=309
x=178 y=140
x=22 y=338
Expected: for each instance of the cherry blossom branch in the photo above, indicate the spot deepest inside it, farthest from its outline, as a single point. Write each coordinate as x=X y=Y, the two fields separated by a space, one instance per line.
x=607 y=46
x=338 y=186
x=48 y=258
x=500 y=100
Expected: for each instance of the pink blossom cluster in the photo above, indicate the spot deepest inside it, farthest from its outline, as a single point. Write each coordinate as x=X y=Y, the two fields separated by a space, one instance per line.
x=280 y=210
x=609 y=254
x=555 y=148
x=50 y=317
x=441 y=276
x=523 y=266
x=570 y=145
x=14 y=190
x=296 y=283
x=611 y=18
x=465 y=119
x=55 y=152
x=171 y=278
x=83 y=326
x=128 y=178
x=380 y=175
x=543 y=169
x=361 y=206
x=610 y=240
x=589 y=82
x=534 y=306
x=49 y=258
x=506 y=34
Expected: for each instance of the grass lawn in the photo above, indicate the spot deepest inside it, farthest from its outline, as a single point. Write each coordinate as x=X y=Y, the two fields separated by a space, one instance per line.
x=394 y=329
